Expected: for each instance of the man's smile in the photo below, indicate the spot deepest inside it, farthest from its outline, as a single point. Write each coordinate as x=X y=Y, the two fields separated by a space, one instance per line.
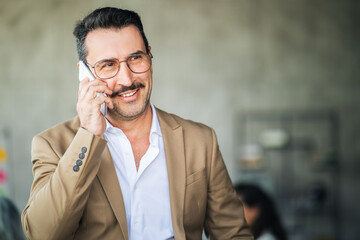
x=129 y=94
x=128 y=91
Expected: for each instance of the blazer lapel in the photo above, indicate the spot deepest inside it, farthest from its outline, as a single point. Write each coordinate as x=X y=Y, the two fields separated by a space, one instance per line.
x=108 y=179
x=175 y=161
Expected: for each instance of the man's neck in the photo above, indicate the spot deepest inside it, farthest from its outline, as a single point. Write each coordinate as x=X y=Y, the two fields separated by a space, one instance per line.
x=137 y=127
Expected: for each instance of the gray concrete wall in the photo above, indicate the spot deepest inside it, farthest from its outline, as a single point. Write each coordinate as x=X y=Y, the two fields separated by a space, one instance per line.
x=212 y=61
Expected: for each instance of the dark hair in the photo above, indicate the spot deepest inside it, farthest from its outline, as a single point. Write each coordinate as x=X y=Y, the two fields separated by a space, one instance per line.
x=268 y=219
x=10 y=223
x=107 y=17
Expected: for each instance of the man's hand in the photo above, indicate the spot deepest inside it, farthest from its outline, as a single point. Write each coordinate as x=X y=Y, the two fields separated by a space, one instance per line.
x=88 y=105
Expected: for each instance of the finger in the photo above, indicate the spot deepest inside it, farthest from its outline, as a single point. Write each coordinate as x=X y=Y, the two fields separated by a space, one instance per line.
x=94 y=90
x=86 y=79
x=92 y=105
x=109 y=102
x=108 y=91
x=104 y=99
x=96 y=85
x=86 y=83
x=100 y=100
x=82 y=84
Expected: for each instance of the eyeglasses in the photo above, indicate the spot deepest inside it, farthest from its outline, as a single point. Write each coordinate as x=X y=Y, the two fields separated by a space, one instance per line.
x=139 y=62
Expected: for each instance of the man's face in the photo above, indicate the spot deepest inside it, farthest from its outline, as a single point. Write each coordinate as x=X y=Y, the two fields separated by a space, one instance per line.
x=251 y=214
x=132 y=90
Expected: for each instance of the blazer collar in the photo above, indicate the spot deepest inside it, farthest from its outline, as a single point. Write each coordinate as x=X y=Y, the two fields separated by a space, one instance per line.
x=175 y=162
x=110 y=183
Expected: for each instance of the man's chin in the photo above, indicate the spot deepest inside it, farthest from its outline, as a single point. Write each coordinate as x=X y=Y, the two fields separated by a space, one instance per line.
x=126 y=113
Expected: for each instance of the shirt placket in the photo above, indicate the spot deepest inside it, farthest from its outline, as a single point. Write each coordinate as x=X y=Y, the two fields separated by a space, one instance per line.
x=137 y=213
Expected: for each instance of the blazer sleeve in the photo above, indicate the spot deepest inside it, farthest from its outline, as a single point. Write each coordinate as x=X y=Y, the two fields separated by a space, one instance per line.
x=59 y=193
x=225 y=214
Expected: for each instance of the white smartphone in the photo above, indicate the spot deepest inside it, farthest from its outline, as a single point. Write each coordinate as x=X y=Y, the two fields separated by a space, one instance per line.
x=84 y=72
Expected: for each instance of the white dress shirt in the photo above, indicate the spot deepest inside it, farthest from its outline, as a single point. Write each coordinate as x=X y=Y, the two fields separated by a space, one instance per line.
x=146 y=191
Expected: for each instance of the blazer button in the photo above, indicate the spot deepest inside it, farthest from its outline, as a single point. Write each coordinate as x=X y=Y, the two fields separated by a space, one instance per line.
x=81 y=156
x=79 y=162
x=76 y=168
x=83 y=149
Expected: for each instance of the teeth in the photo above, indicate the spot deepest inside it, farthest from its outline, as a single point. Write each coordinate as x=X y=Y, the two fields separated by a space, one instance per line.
x=128 y=94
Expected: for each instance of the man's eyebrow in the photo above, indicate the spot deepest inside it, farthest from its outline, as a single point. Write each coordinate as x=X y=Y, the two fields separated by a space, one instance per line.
x=107 y=59
x=112 y=59
x=137 y=52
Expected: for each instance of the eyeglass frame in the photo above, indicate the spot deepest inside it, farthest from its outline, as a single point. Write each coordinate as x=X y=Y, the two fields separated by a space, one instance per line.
x=127 y=64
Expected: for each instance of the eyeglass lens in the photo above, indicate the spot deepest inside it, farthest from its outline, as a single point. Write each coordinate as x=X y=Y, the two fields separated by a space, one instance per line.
x=137 y=63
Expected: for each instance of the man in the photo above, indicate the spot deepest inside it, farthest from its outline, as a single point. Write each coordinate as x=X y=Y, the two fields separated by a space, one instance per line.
x=138 y=172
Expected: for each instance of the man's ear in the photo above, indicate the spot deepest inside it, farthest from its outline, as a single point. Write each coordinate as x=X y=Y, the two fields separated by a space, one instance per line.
x=149 y=48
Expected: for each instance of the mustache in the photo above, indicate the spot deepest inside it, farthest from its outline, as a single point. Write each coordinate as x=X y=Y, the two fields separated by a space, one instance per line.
x=124 y=89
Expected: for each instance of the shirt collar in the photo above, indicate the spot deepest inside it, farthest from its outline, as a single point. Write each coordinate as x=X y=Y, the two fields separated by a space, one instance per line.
x=155 y=126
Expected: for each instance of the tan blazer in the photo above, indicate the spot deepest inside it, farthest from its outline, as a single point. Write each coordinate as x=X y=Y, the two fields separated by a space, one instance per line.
x=88 y=204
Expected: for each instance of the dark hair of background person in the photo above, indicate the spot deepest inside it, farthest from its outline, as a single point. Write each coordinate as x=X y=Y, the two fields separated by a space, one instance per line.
x=107 y=17
x=268 y=219
x=10 y=222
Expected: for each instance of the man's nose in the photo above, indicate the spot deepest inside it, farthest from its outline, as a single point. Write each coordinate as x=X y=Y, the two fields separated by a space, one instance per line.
x=124 y=76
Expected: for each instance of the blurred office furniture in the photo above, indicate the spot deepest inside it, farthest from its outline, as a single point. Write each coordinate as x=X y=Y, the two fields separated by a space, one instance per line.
x=294 y=155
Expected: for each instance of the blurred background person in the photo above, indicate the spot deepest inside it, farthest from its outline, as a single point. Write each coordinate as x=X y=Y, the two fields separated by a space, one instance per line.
x=260 y=213
x=10 y=224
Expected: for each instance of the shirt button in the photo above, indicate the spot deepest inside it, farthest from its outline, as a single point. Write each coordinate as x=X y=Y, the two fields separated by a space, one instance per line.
x=81 y=156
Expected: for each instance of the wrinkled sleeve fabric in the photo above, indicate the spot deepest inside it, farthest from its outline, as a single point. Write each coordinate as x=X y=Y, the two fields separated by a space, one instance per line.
x=58 y=193
x=224 y=215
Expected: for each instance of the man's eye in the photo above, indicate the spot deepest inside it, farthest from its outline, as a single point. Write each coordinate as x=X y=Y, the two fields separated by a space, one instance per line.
x=109 y=64
x=106 y=66
x=135 y=57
